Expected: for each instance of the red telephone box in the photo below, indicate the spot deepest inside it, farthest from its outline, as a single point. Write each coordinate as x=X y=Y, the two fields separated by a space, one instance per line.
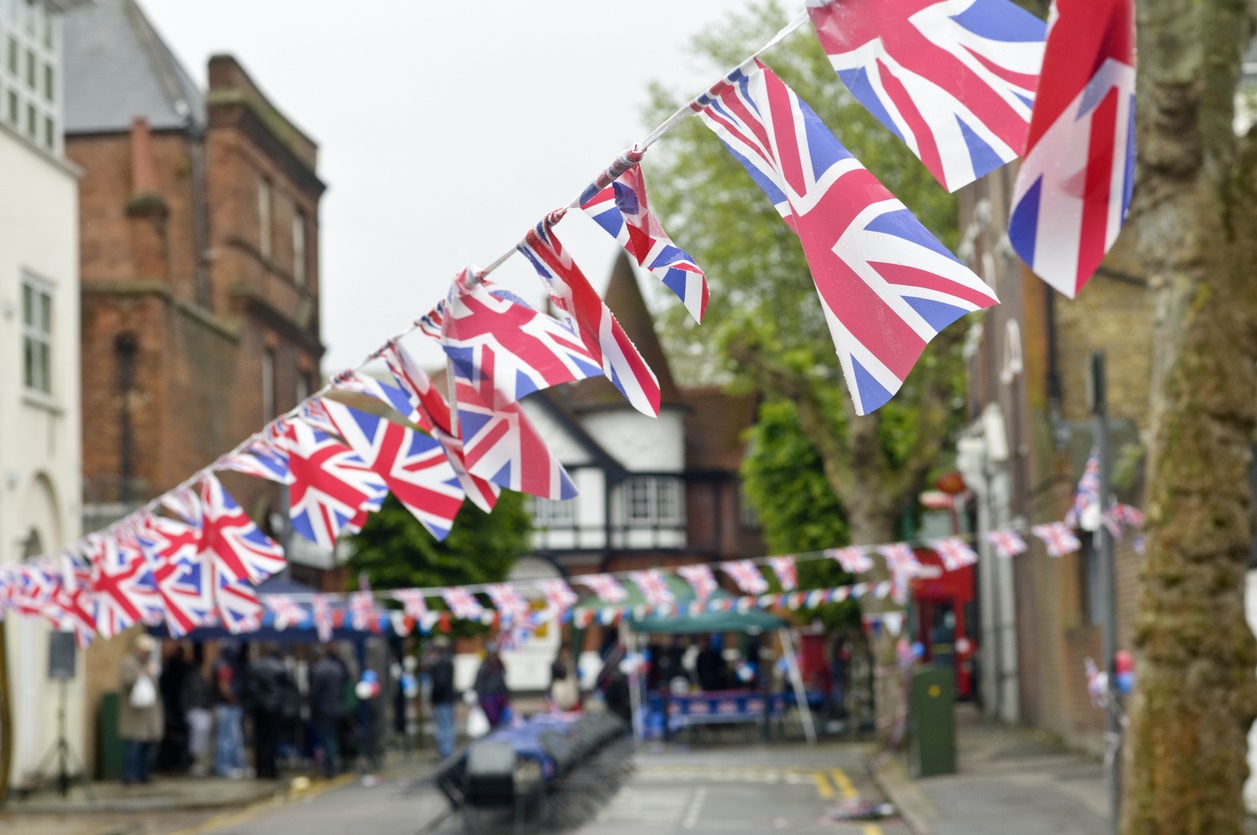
x=943 y=617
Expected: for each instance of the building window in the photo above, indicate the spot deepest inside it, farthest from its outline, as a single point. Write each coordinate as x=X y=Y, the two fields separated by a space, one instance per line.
x=29 y=73
x=549 y=513
x=268 y=384
x=302 y=387
x=652 y=501
x=264 y=217
x=37 y=335
x=298 y=248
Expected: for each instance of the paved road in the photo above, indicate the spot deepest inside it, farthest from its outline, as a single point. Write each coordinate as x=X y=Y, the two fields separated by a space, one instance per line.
x=720 y=789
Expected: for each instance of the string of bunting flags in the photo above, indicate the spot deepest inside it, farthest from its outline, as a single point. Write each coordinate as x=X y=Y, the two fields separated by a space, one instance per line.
x=967 y=85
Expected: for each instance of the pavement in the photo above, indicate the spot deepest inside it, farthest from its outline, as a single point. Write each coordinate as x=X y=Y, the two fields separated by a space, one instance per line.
x=1008 y=779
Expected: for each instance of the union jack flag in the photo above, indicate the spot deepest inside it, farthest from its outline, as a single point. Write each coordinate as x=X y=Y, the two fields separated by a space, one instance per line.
x=236 y=604
x=122 y=584
x=259 y=458
x=285 y=611
x=184 y=503
x=954 y=79
x=75 y=603
x=1006 y=543
x=330 y=484
x=171 y=548
x=1074 y=185
x=559 y=594
x=620 y=208
x=853 y=559
x=495 y=337
x=886 y=285
x=605 y=586
x=362 y=611
x=414 y=603
x=463 y=604
x=509 y=603
x=28 y=589
x=430 y=412
x=505 y=447
x=1127 y=515
x=900 y=557
x=954 y=552
x=701 y=579
x=1086 y=498
x=786 y=570
x=1058 y=538
x=412 y=465
x=583 y=311
x=747 y=575
x=390 y=395
x=654 y=587
x=240 y=553
x=321 y=611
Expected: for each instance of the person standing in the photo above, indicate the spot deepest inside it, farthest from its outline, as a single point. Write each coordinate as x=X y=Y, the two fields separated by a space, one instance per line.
x=491 y=688
x=370 y=705
x=228 y=716
x=327 y=706
x=265 y=693
x=140 y=711
x=196 y=700
x=443 y=695
x=172 y=753
x=564 y=684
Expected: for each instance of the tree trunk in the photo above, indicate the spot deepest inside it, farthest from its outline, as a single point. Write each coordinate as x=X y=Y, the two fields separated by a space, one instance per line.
x=1196 y=221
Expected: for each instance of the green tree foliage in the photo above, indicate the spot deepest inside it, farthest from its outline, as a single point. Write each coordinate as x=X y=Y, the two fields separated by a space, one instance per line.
x=396 y=551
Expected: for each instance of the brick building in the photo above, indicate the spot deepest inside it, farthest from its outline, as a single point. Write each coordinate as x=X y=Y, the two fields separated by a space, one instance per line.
x=199 y=225
x=1026 y=447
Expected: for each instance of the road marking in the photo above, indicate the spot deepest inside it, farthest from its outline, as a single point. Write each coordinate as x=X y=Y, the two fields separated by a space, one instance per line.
x=694 y=809
x=843 y=783
x=822 y=785
x=872 y=829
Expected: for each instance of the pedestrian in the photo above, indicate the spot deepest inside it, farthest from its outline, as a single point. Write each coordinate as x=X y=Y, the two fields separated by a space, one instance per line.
x=172 y=753
x=196 y=700
x=443 y=695
x=710 y=667
x=327 y=706
x=370 y=705
x=228 y=715
x=564 y=690
x=140 y=711
x=266 y=693
x=491 y=688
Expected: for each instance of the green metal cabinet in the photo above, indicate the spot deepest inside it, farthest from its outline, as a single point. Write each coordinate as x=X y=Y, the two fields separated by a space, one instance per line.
x=108 y=743
x=932 y=721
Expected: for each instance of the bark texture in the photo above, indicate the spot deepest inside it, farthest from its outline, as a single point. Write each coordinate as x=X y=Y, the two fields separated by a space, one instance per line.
x=1195 y=216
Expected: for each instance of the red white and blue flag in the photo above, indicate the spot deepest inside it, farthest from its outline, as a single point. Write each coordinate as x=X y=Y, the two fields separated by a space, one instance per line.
x=559 y=595
x=786 y=570
x=492 y=335
x=620 y=208
x=654 y=587
x=701 y=579
x=239 y=551
x=412 y=465
x=1007 y=544
x=605 y=586
x=430 y=412
x=462 y=603
x=1084 y=507
x=954 y=552
x=1074 y=185
x=853 y=559
x=954 y=79
x=1058 y=538
x=747 y=575
x=285 y=611
x=259 y=458
x=330 y=484
x=511 y=606
x=583 y=311
x=171 y=548
x=185 y=502
x=75 y=604
x=414 y=603
x=361 y=608
x=886 y=285
x=236 y=604
x=121 y=583
x=390 y=395
x=321 y=613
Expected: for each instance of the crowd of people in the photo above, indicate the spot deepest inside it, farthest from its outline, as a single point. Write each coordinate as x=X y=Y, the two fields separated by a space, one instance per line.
x=189 y=712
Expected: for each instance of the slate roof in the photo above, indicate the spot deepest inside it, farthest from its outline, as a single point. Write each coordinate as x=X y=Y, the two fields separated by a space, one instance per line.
x=118 y=68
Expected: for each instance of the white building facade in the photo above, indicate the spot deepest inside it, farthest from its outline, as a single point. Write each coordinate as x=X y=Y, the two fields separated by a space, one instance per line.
x=40 y=455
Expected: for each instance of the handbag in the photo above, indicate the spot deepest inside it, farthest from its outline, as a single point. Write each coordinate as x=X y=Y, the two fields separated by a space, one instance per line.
x=566 y=693
x=143 y=693
x=477 y=723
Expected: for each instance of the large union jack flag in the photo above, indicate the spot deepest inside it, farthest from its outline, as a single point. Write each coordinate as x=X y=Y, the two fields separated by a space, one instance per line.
x=488 y=332
x=429 y=410
x=230 y=541
x=413 y=465
x=1074 y=185
x=887 y=286
x=620 y=208
x=236 y=604
x=171 y=548
x=583 y=311
x=954 y=79
x=331 y=485
x=76 y=606
x=121 y=583
x=747 y=575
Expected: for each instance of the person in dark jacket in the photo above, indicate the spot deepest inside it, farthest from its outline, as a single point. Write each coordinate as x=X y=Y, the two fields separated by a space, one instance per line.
x=327 y=706
x=266 y=694
x=196 y=701
x=491 y=688
x=443 y=695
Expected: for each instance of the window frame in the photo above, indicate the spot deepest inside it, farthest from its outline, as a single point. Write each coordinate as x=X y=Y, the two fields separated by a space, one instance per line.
x=298 y=247
x=266 y=207
x=653 y=501
x=39 y=378
x=553 y=514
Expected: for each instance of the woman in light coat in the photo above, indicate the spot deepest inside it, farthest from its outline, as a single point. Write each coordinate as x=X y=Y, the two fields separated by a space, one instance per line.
x=140 y=719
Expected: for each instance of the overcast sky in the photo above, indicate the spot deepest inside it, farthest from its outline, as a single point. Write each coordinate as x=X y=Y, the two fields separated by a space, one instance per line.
x=446 y=129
